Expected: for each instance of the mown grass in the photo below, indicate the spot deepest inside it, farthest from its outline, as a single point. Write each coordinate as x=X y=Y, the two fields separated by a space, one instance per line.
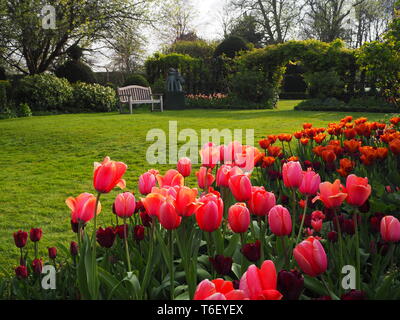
x=46 y=159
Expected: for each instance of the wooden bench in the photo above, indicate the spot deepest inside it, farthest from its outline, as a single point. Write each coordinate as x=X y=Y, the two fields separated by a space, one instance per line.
x=140 y=95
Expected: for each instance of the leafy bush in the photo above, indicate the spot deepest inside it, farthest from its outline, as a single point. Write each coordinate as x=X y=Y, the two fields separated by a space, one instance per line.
x=75 y=71
x=93 y=97
x=44 y=92
x=324 y=84
x=23 y=110
x=136 y=80
x=196 y=49
x=230 y=47
x=159 y=86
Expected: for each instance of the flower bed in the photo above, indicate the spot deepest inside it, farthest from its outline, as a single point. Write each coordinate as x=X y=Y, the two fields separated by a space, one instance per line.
x=292 y=221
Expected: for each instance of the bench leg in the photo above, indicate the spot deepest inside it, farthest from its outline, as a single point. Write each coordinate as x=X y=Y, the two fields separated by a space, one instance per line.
x=130 y=105
x=162 y=104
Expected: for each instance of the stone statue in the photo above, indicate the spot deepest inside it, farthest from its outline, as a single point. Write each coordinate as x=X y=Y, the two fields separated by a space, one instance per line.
x=174 y=81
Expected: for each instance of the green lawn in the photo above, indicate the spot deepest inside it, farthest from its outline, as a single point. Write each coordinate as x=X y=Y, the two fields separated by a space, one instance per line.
x=46 y=159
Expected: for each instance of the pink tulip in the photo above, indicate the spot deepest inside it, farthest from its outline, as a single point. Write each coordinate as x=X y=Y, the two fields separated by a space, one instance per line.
x=280 y=221
x=239 y=218
x=231 y=151
x=311 y=257
x=390 y=229
x=292 y=174
x=146 y=182
x=260 y=284
x=331 y=194
x=210 y=156
x=82 y=207
x=240 y=187
x=185 y=202
x=310 y=183
x=184 y=167
x=168 y=217
x=204 y=178
x=218 y=289
x=124 y=205
x=261 y=201
x=152 y=203
x=171 y=178
x=225 y=172
x=358 y=190
x=108 y=175
x=210 y=212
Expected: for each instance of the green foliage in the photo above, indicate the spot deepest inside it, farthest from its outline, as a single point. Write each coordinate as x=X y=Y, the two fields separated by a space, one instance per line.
x=93 y=97
x=4 y=85
x=23 y=110
x=3 y=75
x=324 y=84
x=75 y=71
x=230 y=47
x=246 y=28
x=75 y=52
x=159 y=86
x=44 y=92
x=136 y=80
x=196 y=49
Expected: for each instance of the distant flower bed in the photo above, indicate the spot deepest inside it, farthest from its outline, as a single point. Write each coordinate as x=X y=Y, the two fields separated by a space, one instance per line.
x=220 y=101
x=315 y=219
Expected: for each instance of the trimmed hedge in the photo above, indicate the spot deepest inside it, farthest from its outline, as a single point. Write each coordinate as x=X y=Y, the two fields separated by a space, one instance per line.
x=75 y=71
x=93 y=97
x=136 y=80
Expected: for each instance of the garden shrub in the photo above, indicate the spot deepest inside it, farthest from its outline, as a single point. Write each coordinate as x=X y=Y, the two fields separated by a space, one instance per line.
x=136 y=80
x=23 y=110
x=196 y=49
x=93 y=97
x=159 y=86
x=324 y=84
x=75 y=71
x=44 y=92
x=230 y=47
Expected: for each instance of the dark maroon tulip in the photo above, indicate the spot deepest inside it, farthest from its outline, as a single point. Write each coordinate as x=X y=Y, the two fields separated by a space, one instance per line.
x=21 y=272
x=236 y=284
x=316 y=165
x=138 y=233
x=307 y=220
x=375 y=221
x=290 y=284
x=35 y=234
x=333 y=236
x=20 y=238
x=73 y=248
x=146 y=219
x=284 y=199
x=74 y=227
x=308 y=164
x=274 y=175
x=53 y=253
x=105 y=237
x=37 y=266
x=221 y=264
x=120 y=230
x=139 y=206
x=252 y=251
x=329 y=214
x=348 y=226
x=354 y=295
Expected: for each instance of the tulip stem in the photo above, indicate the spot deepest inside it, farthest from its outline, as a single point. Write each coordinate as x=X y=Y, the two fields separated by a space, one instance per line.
x=331 y=294
x=149 y=260
x=262 y=238
x=340 y=244
x=355 y=218
x=126 y=245
x=293 y=210
x=171 y=266
x=94 y=260
x=302 y=222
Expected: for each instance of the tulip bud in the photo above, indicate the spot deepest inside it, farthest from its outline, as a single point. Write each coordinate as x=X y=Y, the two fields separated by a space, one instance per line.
x=240 y=187
x=21 y=272
x=239 y=218
x=184 y=167
x=221 y=264
x=280 y=221
x=73 y=248
x=252 y=251
x=37 y=266
x=333 y=236
x=124 y=205
x=390 y=229
x=52 y=253
x=168 y=217
x=210 y=213
x=292 y=174
x=35 y=234
x=105 y=237
x=20 y=238
x=358 y=190
x=311 y=257
x=146 y=182
x=261 y=201
x=290 y=284
x=310 y=183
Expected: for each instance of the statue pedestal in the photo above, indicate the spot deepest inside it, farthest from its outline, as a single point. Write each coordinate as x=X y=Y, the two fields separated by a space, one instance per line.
x=174 y=101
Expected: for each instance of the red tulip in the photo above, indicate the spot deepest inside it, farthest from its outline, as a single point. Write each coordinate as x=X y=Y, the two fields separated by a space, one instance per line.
x=280 y=221
x=73 y=248
x=108 y=175
x=168 y=217
x=52 y=252
x=204 y=178
x=390 y=229
x=171 y=178
x=239 y=218
x=35 y=234
x=124 y=205
x=82 y=207
x=317 y=225
x=210 y=212
x=152 y=203
x=20 y=238
x=260 y=284
x=225 y=172
x=146 y=182
x=292 y=174
x=106 y=237
x=261 y=201
x=184 y=167
x=21 y=272
x=185 y=202
x=37 y=266
x=358 y=190
x=218 y=289
x=331 y=194
x=310 y=183
x=311 y=257
x=240 y=187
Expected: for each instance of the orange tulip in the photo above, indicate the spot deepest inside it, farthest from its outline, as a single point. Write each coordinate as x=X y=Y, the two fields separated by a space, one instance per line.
x=82 y=207
x=274 y=151
x=358 y=190
x=108 y=175
x=304 y=141
x=395 y=146
x=395 y=121
x=171 y=178
x=351 y=146
x=331 y=194
x=307 y=125
x=328 y=156
x=264 y=143
x=152 y=203
x=319 y=138
x=185 y=201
